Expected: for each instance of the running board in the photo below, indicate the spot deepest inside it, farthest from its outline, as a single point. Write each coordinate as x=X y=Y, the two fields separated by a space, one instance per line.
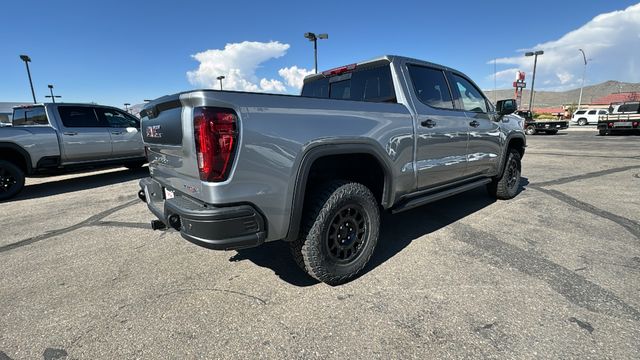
x=425 y=199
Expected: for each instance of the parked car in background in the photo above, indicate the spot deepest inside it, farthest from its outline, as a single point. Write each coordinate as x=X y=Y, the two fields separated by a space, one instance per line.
x=623 y=117
x=232 y=170
x=50 y=138
x=587 y=116
x=535 y=126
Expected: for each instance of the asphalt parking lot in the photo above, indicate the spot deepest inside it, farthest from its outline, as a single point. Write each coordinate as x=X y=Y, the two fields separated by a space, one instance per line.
x=553 y=273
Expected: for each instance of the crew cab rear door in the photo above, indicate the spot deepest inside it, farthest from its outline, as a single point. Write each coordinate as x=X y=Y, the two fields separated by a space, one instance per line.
x=84 y=137
x=441 y=150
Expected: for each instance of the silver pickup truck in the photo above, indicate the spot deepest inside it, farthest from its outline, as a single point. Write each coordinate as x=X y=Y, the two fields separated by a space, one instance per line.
x=231 y=170
x=49 y=138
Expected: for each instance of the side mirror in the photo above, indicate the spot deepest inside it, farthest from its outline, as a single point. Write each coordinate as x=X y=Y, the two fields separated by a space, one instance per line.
x=506 y=107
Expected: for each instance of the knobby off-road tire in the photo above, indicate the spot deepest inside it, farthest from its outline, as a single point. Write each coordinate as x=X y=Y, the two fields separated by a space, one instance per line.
x=340 y=229
x=506 y=186
x=11 y=180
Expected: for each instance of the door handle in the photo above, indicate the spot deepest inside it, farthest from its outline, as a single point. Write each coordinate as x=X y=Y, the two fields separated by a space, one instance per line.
x=70 y=133
x=116 y=132
x=474 y=123
x=428 y=123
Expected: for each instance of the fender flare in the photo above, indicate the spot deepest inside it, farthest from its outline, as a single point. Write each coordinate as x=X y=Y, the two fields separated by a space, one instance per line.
x=316 y=152
x=21 y=151
x=509 y=138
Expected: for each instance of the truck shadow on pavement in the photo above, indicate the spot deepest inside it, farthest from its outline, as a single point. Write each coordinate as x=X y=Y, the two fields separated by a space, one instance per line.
x=397 y=232
x=79 y=182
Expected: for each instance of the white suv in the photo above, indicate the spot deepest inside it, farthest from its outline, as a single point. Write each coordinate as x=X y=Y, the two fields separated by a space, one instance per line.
x=588 y=116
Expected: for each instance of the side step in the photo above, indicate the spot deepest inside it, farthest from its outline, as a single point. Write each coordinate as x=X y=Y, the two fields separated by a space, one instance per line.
x=425 y=199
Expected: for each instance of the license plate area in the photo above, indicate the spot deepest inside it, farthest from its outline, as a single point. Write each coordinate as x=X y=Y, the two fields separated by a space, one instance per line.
x=622 y=124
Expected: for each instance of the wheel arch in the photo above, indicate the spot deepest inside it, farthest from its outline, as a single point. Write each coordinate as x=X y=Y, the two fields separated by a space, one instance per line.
x=514 y=141
x=327 y=152
x=17 y=156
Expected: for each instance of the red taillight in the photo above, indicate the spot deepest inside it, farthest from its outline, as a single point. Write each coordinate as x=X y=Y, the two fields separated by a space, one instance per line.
x=216 y=134
x=635 y=124
x=339 y=70
x=610 y=124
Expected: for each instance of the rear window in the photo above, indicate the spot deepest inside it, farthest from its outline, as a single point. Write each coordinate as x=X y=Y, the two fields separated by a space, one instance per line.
x=633 y=107
x=79 y=116
x=372 y=84
x=30 y=116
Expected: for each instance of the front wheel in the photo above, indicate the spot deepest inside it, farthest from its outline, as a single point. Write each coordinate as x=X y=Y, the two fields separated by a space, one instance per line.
x=530 y=130
x=582 y=122
x=11 y=180
x=340 y=232
x=506 y=186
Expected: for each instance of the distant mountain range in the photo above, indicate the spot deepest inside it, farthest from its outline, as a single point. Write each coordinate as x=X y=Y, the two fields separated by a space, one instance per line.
x=557 y=98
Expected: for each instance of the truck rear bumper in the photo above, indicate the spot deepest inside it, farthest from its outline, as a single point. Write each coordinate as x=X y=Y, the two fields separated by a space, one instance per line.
x=213 y=227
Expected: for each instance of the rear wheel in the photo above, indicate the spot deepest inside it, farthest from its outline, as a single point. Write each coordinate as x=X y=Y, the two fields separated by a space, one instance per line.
x=582 y=122
x=340 y=232
x=530 y=130
x=11 y=180
x=603 y=132
x=506 y=186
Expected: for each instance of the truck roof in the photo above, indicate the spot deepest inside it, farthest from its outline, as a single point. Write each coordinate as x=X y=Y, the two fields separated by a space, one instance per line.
x=26 y=106
x=390 y=58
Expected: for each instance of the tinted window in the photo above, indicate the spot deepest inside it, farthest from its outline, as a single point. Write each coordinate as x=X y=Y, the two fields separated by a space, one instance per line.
x=628 y=107
x=602 y=112
x=591 y=112
x=317 y=88
x=431 y=86
x=30 y=116
x=78 y=116
x=580 y=112
x=365 y=84
x=471 y=97
x=117 y=118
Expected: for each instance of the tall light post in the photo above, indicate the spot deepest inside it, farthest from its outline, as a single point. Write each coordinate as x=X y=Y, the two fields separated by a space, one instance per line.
x=52 y=97
x=27 y=60
x=584 y=72
x=313 y=37
x=126 y=107
x=220 y=79
x=533 y=79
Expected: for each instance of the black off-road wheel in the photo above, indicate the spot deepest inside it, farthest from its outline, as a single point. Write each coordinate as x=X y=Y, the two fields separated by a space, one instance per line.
x=603 y=132
x=340 y=231
x=506 y=186
x=11 y=180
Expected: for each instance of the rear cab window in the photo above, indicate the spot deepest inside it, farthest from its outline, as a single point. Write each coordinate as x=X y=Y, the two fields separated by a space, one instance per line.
x=79 y=116
x=30 y=115
x=368 y=82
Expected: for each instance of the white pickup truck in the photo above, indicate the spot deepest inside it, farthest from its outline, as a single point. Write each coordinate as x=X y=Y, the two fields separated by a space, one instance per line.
x=49 y=138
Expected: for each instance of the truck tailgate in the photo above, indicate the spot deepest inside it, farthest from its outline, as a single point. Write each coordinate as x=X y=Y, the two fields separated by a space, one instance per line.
x=164 y=132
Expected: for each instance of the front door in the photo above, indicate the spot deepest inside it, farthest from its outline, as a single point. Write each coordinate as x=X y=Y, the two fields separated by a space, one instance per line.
x=126 y=139
x=84 y=137
x=442 y=131
x=484 y=132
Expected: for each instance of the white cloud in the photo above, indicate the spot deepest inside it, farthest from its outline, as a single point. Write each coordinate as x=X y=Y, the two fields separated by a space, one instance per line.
x=238 y=62
x=294 y=76
x=610 y=41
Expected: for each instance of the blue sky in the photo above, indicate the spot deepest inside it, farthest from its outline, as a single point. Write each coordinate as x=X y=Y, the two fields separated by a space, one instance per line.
x=115 y=51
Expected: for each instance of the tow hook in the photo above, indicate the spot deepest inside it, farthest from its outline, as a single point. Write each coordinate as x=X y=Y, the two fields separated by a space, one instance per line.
x=142 y=196
x=174 y=221
x=158 y=225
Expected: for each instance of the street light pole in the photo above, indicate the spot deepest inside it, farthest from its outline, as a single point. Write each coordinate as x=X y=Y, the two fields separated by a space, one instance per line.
x=533 y=80
x=313 y=37
x=52 y=97
x=220 y=78
x=584 y=72
x=126 y=107
x=27 y=60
